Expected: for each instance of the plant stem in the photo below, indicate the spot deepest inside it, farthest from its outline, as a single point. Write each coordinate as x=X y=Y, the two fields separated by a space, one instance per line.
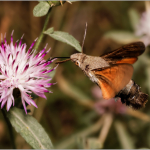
x=108 y=119
x=44 y=27
x=9 y=128
x=70 y=142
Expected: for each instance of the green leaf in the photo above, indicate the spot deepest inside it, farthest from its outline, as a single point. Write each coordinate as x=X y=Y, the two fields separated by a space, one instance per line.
x=122 y=37
x=66 y=38
x=134 y=18
x=49 y=31
x=41 y=9
x=29 y=129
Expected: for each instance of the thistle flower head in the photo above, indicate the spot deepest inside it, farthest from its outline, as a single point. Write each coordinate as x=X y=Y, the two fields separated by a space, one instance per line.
x=22 y=70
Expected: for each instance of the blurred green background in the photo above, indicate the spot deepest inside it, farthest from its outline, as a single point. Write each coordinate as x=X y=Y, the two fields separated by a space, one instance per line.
x=75 y=115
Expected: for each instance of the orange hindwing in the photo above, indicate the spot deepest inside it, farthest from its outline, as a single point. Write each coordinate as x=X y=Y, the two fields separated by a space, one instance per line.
x=113 y=79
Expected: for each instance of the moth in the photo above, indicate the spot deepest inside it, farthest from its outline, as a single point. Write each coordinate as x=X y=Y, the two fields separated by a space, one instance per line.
x=113 y=71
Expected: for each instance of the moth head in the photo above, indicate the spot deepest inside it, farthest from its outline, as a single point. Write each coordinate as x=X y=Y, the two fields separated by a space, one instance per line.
x=77 y=58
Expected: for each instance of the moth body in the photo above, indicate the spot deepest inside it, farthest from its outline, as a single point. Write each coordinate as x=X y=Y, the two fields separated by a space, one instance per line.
x=112 y=72
x=111 y=79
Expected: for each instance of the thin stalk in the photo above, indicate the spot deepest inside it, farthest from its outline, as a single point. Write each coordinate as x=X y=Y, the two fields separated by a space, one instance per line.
x=108 y=119
x=70 y=142
x=44 y=27
x=10 y=129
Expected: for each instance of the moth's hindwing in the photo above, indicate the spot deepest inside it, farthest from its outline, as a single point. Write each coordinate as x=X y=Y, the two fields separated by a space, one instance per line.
x=113 y=79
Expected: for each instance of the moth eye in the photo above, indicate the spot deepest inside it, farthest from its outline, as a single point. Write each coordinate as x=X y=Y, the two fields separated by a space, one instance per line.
x=77 y=63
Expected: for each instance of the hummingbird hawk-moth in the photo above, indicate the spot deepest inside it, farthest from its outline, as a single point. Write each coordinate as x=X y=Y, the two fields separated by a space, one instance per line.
x=113 y=71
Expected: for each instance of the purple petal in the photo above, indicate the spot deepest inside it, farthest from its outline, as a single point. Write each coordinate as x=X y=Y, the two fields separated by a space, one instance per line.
x=50 y=70
x=13 y=62
x=33 y=103
x=21 y=40
x=51 y=84
x=16 y=69
x=2 y=45
x=16 y=44
x=5 y=38
x=26 y=67
x=32 y=45
x=9 y=103
x=8 y=58
x=12 y=36
x=23 y=46
x=43 y=54
x=3 y=103
x=24 y=105
x=5 y=72
x=47 y=63
x=17 y=54
x=44 y=71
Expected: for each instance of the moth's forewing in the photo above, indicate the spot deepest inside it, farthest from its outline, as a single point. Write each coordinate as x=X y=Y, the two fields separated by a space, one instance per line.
x=131 y=50
x=126 y=61
x=113 y=79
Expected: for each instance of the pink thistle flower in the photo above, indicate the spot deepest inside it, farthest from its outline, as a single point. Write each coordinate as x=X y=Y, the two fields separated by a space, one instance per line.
x=104 y=106
x=143 y=28
x=25 y=71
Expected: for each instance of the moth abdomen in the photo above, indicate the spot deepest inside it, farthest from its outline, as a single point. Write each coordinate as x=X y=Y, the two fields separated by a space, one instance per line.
x=132 y=96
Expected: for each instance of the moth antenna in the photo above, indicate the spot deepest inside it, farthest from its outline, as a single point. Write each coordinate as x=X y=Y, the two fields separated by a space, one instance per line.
x=84 y=36
x=58 y=62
